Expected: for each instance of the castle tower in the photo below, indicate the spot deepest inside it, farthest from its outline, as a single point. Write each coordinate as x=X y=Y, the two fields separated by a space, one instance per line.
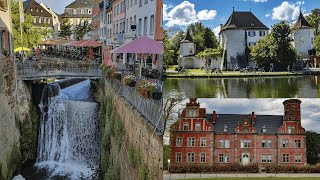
x=187 y=47
x=292 y=117
x=303 y=36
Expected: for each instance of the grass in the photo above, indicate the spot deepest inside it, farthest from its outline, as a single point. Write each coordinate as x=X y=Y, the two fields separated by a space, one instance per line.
x=259 y=178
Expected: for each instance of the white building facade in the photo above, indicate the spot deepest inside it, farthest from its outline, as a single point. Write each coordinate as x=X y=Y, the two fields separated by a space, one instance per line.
x=241 y=31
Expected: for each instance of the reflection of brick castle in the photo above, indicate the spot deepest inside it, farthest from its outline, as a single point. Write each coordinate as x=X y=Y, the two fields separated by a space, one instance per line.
x=200 y=138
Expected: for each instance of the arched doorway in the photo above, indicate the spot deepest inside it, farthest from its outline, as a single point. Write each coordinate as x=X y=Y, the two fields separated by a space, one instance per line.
x=245 y=159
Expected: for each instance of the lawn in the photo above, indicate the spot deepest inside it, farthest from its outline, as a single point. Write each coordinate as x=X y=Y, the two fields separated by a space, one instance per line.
x=259 y=178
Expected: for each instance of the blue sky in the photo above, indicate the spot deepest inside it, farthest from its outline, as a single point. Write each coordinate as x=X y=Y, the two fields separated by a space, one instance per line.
x=215 y=12
x=56 y=5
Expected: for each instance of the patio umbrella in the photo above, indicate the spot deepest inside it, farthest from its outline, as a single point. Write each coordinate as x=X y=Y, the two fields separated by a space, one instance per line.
x=89 y=43
x=20 y=49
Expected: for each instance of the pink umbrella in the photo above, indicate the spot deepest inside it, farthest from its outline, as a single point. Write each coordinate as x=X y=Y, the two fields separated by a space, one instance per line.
x=90 y=43
x=142 y=44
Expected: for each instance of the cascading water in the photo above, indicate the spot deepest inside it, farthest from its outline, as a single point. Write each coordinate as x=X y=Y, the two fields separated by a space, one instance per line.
x=69 y=131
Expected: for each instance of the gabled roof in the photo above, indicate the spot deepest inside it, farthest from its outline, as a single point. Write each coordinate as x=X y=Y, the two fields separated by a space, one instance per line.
x=81 y=4
x=34 y=5
x=187 y=37
x=302 y=23
x=243 y=20
x=271 y=122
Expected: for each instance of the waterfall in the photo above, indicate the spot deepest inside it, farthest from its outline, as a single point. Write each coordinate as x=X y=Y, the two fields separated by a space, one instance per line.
x=68 y=142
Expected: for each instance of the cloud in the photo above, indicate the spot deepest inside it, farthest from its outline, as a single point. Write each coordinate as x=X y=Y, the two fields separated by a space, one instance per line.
x=286 y=11
x=216 y=30
x=185 y=14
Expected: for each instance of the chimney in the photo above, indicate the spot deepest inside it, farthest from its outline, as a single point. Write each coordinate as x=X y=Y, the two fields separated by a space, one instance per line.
x=214 y=117
x=252 y=118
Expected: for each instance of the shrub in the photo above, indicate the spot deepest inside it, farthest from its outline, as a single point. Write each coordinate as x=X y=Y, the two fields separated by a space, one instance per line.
x=215 y=168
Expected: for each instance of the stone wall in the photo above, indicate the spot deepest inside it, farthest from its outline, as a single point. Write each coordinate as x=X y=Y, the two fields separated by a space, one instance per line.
x=139 y=137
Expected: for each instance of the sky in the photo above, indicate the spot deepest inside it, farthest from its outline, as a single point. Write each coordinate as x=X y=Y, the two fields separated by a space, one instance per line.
x=215 y=12
x=56 y=5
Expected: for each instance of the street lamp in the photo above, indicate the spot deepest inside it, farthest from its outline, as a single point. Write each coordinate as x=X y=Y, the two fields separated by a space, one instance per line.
x=168 y=164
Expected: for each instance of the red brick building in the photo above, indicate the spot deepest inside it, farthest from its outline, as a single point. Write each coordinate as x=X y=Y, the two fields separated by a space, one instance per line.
x=201 y=138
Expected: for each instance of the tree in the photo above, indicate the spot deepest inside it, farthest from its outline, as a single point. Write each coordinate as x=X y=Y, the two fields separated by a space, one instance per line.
x=31 y=34
x=275 y=48
x=169 y=56
x=314 y=20
x=46 y=32
x=81 y=29
x=313 y=147
x=65 y=31
x=210 y=40
x=316 y=43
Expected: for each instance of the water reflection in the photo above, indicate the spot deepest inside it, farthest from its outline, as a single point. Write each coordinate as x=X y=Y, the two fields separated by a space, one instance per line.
x=255 y=87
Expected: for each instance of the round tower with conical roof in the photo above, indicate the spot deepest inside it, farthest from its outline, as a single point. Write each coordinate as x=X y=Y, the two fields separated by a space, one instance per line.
x=187 y=47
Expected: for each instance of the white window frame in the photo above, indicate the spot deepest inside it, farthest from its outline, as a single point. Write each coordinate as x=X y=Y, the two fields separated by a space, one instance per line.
x=197 y=126
x=186 y=124
x=285 y=158
x=245 y=143
x=178 y=157
x=191 y=142
x=297 y=143
x=179 y=141
x=297 y=158
x=285 y=143
x=190 y=157
x=203 y=142
x=203 y=157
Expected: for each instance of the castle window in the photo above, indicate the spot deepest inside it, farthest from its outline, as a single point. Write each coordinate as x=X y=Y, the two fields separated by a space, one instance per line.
x=224 y=143
x=285 y=158
x=202 y=157
x=224 y=158
x=179 y=141
x=178 y=157
x=203 y=142
x=191 y=142
x=262 y=33
x=285 y=143
x=245 y=143
x=198 y=127
x=297 y=143
x=190 y=157
x=251 y=33
x=186 y=126
x=266 y=158
x=266 y=143
x=297 y=158
x=290 y=129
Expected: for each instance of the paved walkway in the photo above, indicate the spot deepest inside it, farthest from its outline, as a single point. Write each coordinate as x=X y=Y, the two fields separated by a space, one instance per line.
x=168 y=176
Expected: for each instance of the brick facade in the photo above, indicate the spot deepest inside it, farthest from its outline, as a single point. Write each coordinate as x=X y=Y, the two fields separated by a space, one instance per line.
x=242 y=139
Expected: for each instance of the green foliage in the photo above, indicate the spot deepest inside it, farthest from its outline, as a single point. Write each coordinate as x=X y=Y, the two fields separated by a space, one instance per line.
x=316 y=43
x=29 y=136
x=134 y=157
x=210 y=53
x=275 y=48
x=166 y=155
x=171 y=47
x=313 y=147
x=113 y=173
x=143 y=172
x=46 y=32
x=8 y=168
x=314 y=20
x=31 y=34
x=81 y=29
x=65 y=31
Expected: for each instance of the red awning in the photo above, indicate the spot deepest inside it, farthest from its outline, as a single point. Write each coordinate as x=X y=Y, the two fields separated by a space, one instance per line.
x=89 y=43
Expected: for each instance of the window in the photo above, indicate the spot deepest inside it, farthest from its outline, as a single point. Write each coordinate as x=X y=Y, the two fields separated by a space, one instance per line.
x=202 y=157
x=266 y=144
x=35 y=20
x=285 y=143
x=186 y=126
x=179 y=141
x=145 y=1
x=151 y=24
x=89 y=11
x=40 y=20
x=224 y=143
x=140 y=27
x=145 y=26
x=264 y=129
x=290 y=129
x=198 y=127
x=285 y=158
x=190 y=157
x=191 y=142
x=128 y=25
x=297 y=143
x=262 y=33
x=224 y=158
x=81 y=11
x=178 y=157
x=203 y=142
x=297 y=158
x=245 y=143
x=251 y=33
x=225 y=129
x=140 y=3
x=252 y=43
x=266 y=158
x=74 y=11
x=49 y=21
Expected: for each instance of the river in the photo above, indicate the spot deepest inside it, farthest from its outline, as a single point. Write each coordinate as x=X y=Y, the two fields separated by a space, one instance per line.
x=249 y=87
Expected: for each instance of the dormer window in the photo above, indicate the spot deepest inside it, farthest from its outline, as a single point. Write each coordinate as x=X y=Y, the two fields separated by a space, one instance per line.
x=225 y=129
x=264 y=129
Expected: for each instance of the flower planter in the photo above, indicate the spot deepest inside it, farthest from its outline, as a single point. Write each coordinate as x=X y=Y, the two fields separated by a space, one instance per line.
x=156 y=95
x=132 y=84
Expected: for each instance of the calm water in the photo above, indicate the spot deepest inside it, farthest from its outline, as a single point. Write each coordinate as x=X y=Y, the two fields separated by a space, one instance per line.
x=255 y=87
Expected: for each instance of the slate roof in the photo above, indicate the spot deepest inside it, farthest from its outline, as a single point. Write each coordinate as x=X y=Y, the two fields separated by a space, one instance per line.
x=34 y=5
x=243 y=20
x=271 y=122
x=81 y=4
x=302 y=23
x=187 y=38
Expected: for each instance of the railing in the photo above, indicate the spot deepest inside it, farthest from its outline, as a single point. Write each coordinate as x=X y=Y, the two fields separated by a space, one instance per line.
x=149 y=108
x=39 y=70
